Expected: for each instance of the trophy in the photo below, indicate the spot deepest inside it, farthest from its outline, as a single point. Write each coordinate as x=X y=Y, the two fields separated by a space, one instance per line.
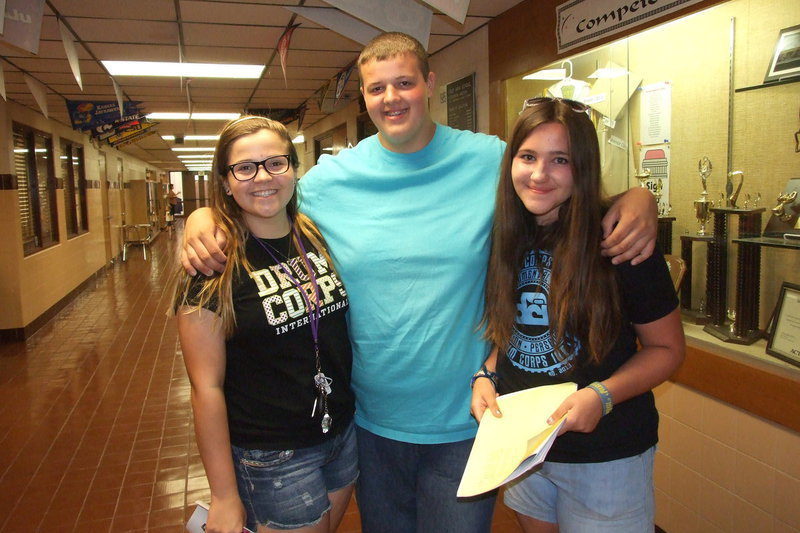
x=783 y=201
x=735 y=196
x=702 y=206
x=643 y=176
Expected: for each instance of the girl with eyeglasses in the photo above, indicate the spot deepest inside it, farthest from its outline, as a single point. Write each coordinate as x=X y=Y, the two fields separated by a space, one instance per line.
x=266 y=348
x=557 y=311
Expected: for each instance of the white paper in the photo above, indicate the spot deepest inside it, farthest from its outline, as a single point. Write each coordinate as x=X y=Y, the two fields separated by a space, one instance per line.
x=509 y=446
x=656 y=114
x=197 y=522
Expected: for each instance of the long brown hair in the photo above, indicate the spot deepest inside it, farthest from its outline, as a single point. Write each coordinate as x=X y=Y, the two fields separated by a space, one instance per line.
x=228 y=217
x=583 y=302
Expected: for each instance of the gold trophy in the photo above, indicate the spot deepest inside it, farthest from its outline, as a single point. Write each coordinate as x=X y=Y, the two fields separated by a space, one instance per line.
x=702 y=206
x=643 y=176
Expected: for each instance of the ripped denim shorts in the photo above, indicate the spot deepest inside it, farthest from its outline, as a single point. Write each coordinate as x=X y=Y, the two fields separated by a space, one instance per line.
x=288 y=489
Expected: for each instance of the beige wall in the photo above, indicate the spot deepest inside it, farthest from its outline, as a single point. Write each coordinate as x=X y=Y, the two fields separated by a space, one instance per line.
x=31 y=285
x=719 y=469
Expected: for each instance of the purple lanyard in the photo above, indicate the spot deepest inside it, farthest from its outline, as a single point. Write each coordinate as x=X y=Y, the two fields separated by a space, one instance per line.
x=313 y=311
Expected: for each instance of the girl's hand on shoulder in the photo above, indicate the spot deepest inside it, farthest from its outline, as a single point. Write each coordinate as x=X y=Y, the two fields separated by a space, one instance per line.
x=484 y=397
x=584 y=410
x=225 y=515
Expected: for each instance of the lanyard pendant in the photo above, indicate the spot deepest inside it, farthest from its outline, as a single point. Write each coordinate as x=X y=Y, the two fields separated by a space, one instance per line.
x=326 y=422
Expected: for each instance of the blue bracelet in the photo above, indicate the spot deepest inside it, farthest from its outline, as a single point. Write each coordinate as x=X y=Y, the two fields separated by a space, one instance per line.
x=484 y=373
x=605 y=396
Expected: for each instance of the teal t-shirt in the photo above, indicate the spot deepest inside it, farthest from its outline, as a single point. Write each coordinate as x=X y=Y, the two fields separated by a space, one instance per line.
x=409 y=235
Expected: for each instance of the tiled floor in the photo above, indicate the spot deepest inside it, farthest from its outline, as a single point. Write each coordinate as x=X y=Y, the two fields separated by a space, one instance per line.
x=95 y=419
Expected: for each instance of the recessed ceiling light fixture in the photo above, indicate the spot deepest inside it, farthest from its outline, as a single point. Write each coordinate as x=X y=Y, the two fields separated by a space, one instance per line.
x=183 y=70
x=194 y=149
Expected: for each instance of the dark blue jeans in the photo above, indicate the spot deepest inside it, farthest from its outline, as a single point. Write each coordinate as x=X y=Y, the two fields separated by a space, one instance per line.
x=407 y=488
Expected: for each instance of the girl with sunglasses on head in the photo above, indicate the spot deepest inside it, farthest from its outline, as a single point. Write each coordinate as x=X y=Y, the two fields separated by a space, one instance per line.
x=557 y=311
x=266 y=348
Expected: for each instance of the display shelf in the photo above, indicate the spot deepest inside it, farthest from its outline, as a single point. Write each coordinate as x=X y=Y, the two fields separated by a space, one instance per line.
x=765 y=85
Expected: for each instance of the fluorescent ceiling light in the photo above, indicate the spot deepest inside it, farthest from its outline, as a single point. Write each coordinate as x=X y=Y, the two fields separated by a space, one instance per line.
x=547 y=74
x=168 y=116
x=299 y=139
x=183 y=70
x=193 y=116
x=215 y=116
x=194 y=149
x=608 y=73
x=192 y=137
x=197 y=156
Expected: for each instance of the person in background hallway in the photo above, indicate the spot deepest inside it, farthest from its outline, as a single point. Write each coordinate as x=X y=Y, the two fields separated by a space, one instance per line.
x=172 y=199
x=557 y=311
x=266 y=348
x=408 y=214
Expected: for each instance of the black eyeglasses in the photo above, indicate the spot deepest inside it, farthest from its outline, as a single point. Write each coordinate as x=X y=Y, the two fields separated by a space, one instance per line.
x=247 y=170
x=576 y=106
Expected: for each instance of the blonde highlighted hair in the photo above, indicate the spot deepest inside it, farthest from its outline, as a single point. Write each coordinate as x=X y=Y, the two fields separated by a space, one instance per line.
x=217 y=290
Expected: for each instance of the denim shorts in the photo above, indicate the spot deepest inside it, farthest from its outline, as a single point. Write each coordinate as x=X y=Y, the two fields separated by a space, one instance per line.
x=614 y=496
x=288 y=489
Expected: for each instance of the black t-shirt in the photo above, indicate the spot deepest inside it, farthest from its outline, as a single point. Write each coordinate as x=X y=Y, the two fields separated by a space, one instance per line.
x=270 y=364
x=647 y=294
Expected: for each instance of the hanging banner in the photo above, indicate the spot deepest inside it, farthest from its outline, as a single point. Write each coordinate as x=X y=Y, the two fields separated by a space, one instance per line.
x=134 y=132
x=580 y=22
x=3 y=83
x=133 y=138
x=3 y=18
x=23 y=24
x=72 y=55
x=283 y=48
x=102 y=133
x=120 y=99
x=405 y=16
x=39 y=93
x=341 y=80
x=322 y=92
x=338 y=21
x=455 y=9
x=301 y=115
x=86 y=115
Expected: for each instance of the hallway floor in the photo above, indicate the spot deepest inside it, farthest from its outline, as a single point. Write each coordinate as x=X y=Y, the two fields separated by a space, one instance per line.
x=96 y=426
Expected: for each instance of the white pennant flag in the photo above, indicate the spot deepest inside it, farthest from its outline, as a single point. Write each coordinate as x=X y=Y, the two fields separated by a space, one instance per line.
x=405 y=16
x=39 y=93
x=340 y=22
x=3 y=83
x=455 y=9
x=72 y=55
x=118 y=92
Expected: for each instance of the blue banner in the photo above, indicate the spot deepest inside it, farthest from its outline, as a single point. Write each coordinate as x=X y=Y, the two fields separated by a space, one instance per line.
x=88 y=115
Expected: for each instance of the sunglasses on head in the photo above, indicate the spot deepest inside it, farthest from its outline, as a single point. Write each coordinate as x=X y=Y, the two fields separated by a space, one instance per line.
x=576 y=106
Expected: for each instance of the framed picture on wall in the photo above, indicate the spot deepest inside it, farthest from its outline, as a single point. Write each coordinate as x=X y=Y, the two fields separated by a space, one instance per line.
x=784 y=327
x=785 y=63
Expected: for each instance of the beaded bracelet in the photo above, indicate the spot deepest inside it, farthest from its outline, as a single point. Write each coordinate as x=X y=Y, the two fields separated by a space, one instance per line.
x=605 y=396
x=484 y=373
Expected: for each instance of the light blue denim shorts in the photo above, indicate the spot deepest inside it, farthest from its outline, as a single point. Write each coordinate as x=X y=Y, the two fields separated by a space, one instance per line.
x=288 y=489
x=589 y=497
